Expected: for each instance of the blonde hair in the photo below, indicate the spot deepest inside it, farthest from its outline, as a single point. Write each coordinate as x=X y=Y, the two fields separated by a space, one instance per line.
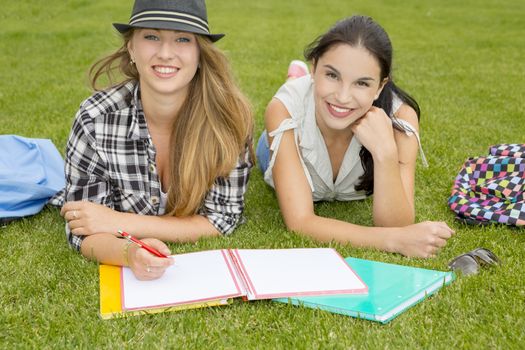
x=119 y=61
x=212 y=129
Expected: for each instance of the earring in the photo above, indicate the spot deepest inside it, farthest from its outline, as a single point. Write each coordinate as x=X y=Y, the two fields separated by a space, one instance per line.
x=131 y=60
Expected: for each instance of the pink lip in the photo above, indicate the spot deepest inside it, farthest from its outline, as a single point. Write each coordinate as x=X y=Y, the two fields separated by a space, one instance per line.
x=337 y=114
x=167 y=74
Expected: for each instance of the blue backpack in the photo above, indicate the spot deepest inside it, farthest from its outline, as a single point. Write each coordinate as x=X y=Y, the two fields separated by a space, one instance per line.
x=31 y=172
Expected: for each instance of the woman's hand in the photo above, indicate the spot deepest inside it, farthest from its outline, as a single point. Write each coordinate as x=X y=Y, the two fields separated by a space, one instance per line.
x=86 y=218
x=423 y=240
x=374 y=131
x=146 y=266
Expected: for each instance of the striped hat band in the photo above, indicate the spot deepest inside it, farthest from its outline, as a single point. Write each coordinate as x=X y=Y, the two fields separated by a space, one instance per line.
x=182 y=15
x=169 y=16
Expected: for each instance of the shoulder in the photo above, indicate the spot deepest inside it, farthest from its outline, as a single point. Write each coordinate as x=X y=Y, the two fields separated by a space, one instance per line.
x=275 y=113
x=297 y=89
x=109 y=101
x=292 y=100
x=404 y=112
x=104 y=110
x=407 y=114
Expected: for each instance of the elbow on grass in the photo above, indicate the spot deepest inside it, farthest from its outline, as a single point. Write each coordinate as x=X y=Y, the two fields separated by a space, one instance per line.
x=296 y=223
x=305 y=225
x=392 y=221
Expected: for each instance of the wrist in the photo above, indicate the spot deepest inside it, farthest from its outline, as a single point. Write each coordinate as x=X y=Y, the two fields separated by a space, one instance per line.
x=385 y=155
x=125 y=253
x=392 y=240
x=119 y=220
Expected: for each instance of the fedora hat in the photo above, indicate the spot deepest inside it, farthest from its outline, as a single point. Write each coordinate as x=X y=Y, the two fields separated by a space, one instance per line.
x=184 y=15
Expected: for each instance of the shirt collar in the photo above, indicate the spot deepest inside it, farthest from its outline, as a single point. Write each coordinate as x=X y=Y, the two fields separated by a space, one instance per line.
x=310 y=133
x=138 y=129
x=312 y=142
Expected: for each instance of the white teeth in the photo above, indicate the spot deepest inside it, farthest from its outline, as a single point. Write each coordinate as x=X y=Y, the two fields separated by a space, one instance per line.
x=339 y=109
x=165 y=70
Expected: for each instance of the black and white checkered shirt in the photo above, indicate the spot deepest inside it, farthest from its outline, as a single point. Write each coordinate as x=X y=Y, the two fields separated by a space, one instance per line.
x=110 y=160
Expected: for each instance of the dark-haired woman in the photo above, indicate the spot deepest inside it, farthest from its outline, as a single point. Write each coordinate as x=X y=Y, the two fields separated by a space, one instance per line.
x=342 y=133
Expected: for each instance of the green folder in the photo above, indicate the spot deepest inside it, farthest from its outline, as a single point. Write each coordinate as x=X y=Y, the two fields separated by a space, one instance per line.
x=392 y=289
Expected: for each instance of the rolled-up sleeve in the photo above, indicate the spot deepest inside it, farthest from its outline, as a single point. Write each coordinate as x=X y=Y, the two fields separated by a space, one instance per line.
x=224 y=203
x=85 y=171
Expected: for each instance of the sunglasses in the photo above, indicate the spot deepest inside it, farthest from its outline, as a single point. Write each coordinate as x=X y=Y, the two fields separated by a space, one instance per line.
x=470 y=263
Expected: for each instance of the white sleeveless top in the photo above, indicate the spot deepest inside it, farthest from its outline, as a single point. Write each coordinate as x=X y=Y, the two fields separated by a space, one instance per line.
x=297 y=97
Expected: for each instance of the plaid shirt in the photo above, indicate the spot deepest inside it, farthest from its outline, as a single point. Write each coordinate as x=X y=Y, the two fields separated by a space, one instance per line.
x=110 y=160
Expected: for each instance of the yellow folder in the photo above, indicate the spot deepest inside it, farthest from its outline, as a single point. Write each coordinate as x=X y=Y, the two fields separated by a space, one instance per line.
x=111 y=302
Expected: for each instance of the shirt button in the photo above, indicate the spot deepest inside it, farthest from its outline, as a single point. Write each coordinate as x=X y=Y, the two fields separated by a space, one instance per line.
x=152 y=168
x=154 y=200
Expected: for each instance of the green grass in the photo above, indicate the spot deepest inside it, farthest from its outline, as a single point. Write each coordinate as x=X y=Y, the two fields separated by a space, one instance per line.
x=463 y=61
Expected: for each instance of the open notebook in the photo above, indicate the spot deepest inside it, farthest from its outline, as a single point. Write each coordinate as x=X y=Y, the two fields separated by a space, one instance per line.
x=213 y=277
x=392 y=290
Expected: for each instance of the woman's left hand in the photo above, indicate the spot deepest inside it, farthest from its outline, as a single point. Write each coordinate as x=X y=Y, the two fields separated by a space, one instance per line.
x=374 y=131
x=85 y=218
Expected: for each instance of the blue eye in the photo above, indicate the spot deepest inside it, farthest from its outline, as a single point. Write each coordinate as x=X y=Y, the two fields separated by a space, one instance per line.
x=151 y=37
x=183 y=40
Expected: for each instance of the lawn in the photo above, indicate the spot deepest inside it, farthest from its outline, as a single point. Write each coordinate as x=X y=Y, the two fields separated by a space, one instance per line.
x=462 y=61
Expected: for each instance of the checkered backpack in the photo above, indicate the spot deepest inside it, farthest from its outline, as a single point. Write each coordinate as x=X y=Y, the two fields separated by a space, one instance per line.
x=491 y=189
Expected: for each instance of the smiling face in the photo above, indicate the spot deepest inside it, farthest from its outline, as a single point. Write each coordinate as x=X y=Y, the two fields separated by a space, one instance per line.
x=166 y=60
x=347 y=81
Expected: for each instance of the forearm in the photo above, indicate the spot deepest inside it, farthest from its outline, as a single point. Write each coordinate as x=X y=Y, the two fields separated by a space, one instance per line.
x=167 y=228
x=104 y=248
x=327 y=230
x=422 y=240
x=87 y=219
x=392 y=206
x=109 y=249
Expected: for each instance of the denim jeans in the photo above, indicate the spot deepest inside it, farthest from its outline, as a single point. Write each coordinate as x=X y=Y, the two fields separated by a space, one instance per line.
x=263 y=152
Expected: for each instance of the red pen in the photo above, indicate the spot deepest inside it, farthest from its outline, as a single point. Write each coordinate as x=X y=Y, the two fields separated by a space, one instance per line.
x=141 y=244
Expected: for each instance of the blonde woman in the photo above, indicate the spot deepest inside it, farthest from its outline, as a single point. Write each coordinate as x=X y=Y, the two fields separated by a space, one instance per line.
x=164 y=154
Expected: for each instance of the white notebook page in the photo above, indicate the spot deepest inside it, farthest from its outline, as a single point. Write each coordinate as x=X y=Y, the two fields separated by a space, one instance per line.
x=277 y=273
x=195 y=277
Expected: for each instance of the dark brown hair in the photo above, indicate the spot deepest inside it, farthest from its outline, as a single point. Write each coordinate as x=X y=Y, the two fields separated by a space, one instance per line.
x=362 y=31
